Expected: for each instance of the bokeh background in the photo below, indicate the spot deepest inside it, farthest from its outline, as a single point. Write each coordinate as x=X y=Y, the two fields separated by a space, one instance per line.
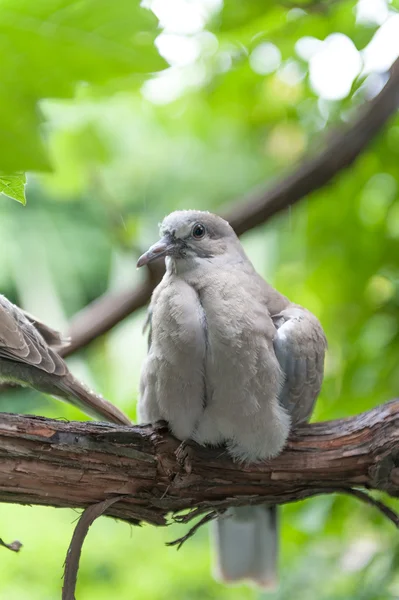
x=244 y=90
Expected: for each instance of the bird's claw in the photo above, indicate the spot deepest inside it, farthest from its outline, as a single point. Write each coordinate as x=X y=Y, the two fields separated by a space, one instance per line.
x=160 y=426
x=183 y=454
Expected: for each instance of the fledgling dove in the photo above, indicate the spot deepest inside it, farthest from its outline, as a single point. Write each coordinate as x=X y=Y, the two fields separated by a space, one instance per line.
x=28 y=357
x=230 y=361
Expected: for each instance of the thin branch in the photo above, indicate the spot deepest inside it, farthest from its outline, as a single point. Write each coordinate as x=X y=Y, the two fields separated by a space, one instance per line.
x=316 y=172
x=255 y=209
x=14 y=546
x=180 y=541
x=108 y=310
x=367 y=499
x=210 y=516
x=390 y=514
x=75 y=548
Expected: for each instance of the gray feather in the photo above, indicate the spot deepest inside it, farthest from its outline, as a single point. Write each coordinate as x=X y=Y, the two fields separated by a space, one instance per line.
x=21 y=341
x=246 y=541
x=28 y=357
x=53 y=338
x=300 y=346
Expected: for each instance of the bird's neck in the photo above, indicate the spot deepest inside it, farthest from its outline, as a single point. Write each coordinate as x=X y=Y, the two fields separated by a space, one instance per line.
x=196 y=266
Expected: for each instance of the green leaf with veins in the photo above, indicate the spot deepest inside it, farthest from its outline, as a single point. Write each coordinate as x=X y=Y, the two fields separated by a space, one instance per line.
x=13 y=186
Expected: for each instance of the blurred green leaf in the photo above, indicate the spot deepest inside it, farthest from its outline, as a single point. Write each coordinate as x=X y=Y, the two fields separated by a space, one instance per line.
x=236 y=14
x=47 y=47
x=13 y=186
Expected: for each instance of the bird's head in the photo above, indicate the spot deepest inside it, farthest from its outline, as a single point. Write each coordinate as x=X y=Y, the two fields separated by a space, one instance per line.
x=190 y=235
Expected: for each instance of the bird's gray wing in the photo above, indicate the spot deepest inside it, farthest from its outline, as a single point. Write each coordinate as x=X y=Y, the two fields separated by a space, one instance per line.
x=53 y=338
x=300 y=346
x=22 y=342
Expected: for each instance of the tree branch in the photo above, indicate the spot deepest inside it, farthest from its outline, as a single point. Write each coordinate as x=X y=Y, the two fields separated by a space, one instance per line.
x=108 y=310
x=75 y=548
x=76 y=465
x=315 y=172
x=14 y=546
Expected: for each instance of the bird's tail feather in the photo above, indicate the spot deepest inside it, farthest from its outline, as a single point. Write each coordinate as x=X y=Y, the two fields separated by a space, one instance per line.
x=91 y=403
x=246 y=542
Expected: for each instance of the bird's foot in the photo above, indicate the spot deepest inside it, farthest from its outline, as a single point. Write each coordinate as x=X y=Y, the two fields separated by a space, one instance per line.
x=160 y=426
x=184 y=454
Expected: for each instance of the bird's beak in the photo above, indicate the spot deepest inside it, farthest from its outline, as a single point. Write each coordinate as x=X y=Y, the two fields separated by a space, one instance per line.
x=162 y=248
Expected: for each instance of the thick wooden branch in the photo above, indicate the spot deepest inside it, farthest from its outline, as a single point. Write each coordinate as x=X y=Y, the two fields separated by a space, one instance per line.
x=76 y=465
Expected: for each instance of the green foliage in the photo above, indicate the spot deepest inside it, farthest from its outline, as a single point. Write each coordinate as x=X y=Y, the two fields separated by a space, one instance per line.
x=13 y=186
x=239 y=15
x=123 y=156
x=48 y=47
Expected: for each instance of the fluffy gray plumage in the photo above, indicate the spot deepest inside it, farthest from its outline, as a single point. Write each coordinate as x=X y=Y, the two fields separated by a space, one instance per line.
x=28 y=356
x=230 y=361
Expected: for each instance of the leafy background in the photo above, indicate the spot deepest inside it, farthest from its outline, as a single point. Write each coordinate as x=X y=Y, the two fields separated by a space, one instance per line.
x=114 y=137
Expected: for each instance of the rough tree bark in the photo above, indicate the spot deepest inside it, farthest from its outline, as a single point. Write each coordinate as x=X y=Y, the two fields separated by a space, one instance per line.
x=74 y=464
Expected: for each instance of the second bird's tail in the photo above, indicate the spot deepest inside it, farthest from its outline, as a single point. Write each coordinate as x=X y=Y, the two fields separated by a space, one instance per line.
x=75 y=392
x=246 y=540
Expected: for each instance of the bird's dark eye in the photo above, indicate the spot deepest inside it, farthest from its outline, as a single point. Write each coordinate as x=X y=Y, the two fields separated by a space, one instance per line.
x=198 y=231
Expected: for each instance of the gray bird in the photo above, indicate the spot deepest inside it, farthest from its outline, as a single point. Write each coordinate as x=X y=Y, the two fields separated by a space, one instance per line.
x=230 y=361
x=29 y=357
